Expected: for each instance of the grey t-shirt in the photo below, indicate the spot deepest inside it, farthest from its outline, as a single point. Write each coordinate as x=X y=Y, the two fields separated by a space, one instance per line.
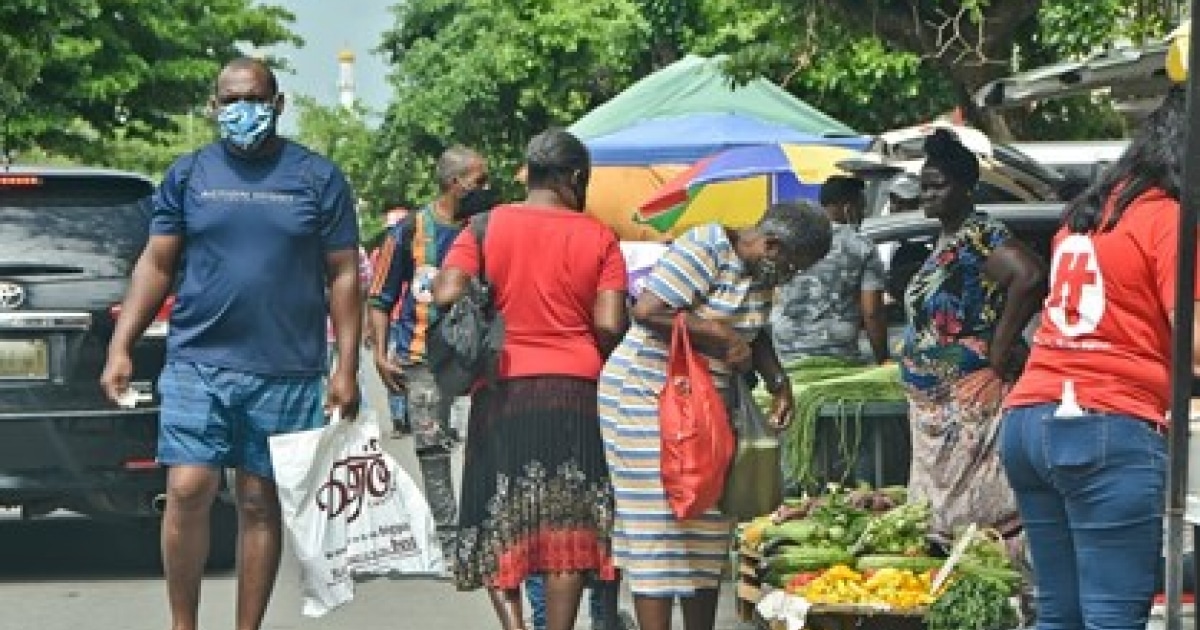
x=819 y=313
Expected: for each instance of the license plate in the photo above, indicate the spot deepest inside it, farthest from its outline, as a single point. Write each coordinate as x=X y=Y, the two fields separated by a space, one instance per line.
x=24 y=359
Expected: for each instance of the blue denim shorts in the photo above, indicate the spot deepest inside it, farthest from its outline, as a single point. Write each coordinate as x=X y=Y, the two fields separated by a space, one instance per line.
x=213 y=416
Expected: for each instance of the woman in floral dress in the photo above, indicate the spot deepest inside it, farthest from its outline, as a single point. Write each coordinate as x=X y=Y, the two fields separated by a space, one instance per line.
x=967 y=308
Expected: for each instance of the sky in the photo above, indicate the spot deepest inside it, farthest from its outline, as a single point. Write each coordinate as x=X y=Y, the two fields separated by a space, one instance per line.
x=327 y=27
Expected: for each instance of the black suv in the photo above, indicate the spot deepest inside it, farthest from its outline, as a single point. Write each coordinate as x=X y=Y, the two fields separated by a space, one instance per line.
x=68 y=241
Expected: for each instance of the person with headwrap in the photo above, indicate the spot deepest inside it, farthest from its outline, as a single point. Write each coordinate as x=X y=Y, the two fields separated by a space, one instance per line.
x=967 y=306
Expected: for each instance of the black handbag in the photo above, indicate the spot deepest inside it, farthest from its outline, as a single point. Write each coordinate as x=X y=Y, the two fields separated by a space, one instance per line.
x=465 y=340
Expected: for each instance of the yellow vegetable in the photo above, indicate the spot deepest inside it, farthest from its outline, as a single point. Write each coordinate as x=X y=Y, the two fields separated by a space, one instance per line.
x=896 y=588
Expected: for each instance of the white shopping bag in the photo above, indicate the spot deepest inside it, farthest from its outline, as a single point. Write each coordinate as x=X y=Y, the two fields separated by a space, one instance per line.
x=350 y=511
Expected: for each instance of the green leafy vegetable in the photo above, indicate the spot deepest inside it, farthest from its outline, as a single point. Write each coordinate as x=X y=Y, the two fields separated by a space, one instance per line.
x=973 y=603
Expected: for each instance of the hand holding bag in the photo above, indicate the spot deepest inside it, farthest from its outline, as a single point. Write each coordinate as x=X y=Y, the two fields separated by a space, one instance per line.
x=350 y=510
x=697 y=441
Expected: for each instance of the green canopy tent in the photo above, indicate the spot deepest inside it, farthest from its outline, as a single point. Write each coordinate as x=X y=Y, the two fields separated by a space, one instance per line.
x=698 y=85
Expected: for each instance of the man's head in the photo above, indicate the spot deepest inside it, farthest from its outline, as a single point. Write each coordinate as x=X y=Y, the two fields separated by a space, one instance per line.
x=464 y=181
x=247 y=104
x=557 y=161
x=904 y=194
x=844 y=199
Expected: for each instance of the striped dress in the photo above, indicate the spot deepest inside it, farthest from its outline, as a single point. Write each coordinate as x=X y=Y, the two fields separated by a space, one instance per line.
x=662 y=556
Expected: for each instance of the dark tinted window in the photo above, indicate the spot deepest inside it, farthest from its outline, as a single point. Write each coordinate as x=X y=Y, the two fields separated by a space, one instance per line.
x=94 y=214
x=987 y=193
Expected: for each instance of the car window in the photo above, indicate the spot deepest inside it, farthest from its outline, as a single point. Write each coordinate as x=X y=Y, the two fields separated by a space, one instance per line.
x=102 y=215
x=990 y=193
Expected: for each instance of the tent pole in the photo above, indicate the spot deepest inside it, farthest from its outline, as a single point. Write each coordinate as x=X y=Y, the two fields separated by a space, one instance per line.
x=1181 y=354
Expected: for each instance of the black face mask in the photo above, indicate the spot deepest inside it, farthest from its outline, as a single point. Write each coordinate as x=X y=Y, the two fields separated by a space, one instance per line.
x=476 y=201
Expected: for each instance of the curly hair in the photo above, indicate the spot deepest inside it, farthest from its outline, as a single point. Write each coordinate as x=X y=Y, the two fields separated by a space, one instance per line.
x=840 y=189
x=801 y=228
x=945 y=152
x=1154 y=159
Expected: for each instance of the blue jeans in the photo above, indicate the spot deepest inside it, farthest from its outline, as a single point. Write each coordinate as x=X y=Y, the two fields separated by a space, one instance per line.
x=535 y=592
x=1091 y=491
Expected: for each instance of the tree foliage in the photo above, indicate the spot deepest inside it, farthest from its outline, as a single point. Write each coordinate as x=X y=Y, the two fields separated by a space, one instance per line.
x=342 y=135
x=491 y=73
x=883 y=63
x=855 y=78
x=80 y=75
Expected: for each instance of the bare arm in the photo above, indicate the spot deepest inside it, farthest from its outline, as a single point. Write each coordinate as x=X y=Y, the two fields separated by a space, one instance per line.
x=712 y=337
x=610 y=319
x=874 y=316
x=766 y=363
x=450 y=285
x=345 y=308
x=1023 y=278
x=151 y=282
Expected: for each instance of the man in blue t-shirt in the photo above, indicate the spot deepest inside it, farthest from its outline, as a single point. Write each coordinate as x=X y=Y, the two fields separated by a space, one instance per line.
x=409 y=259
x=261 y=234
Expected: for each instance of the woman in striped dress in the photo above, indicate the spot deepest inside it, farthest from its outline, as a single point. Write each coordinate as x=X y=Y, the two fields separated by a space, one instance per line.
x=725 y=280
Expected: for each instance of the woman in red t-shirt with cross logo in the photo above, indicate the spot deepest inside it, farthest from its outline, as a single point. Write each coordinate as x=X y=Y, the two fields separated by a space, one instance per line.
x=1082 y=440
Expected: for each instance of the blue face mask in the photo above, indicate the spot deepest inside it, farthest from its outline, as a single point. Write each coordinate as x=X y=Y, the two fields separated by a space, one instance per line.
x=246 y=124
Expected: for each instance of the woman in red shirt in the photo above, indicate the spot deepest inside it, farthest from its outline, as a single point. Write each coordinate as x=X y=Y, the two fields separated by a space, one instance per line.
x=1082 y=439
x=536 y=496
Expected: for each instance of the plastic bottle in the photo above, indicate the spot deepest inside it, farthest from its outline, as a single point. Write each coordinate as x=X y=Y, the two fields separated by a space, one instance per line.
x=1069 y=407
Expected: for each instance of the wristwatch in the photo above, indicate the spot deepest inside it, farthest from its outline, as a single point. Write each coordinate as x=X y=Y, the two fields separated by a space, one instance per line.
x=774 y=384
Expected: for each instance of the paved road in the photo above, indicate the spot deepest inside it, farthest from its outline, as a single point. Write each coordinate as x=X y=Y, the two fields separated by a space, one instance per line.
x=69 y=573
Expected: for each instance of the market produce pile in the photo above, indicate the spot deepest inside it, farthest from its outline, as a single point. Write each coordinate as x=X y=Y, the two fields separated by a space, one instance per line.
x=867 y=547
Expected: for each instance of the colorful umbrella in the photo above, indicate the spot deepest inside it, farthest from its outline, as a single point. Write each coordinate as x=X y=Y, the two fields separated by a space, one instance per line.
x=735 y=187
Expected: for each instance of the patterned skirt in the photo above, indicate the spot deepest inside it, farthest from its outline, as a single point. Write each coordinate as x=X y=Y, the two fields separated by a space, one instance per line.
x=955 y=455
x=536 y=496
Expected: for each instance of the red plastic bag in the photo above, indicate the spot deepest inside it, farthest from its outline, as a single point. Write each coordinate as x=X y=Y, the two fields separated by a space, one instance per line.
x=697 y=441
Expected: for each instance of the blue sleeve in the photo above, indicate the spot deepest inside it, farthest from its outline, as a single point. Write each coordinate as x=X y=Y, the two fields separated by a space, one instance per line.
x=166 y=218
x=393 y=269
x=340 y=230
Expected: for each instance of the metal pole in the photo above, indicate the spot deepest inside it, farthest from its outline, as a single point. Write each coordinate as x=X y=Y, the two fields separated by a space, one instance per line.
x=1181 y=352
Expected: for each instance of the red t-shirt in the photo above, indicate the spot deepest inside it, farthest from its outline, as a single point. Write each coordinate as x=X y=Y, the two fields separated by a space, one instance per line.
x=1106 y=320
x=546 y=266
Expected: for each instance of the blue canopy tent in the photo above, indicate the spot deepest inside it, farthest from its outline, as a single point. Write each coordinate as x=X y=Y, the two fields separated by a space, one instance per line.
x=688 y=138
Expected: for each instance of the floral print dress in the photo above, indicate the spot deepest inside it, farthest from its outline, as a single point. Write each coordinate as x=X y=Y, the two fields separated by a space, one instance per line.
x=954 y=399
